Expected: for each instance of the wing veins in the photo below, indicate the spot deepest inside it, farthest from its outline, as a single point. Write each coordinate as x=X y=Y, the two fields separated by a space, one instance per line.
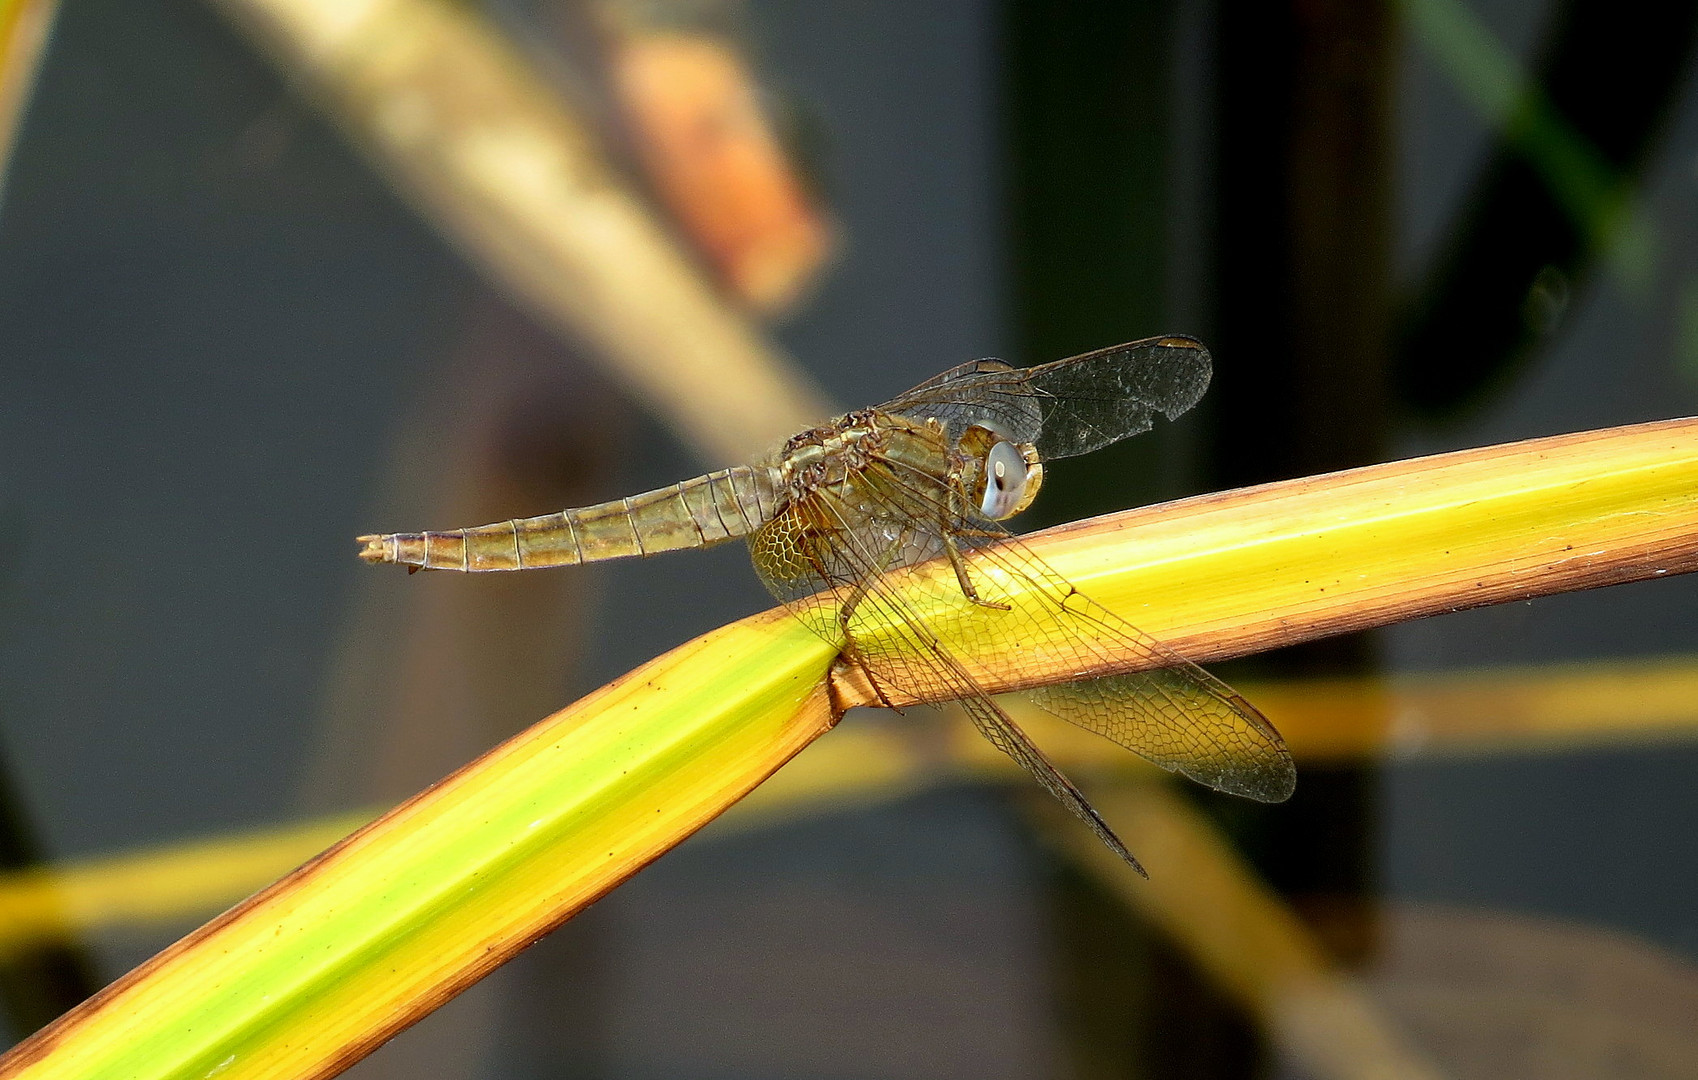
x=950 y=681
x=1174 y=714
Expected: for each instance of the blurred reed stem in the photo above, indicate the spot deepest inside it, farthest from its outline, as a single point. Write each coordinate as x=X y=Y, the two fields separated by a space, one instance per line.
x=498 y=161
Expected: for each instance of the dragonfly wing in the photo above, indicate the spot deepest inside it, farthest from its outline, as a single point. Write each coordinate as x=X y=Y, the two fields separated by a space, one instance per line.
x=988 y=393
x=1004 y=734
x=851 y=555
x=1171 y=712
x=820 y=554
x=910 y=657
x=1092 y=400
x=1168 y=710
x=793 y=559
x=1156 y=714
x=1071 y=406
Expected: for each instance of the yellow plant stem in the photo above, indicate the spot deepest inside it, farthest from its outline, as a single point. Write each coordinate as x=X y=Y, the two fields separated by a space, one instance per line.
x=1564 y=707
x=314 y=972
x=1238 y=572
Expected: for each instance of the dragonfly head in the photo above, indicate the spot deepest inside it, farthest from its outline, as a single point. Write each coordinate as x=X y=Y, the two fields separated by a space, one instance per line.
x=1008 y=473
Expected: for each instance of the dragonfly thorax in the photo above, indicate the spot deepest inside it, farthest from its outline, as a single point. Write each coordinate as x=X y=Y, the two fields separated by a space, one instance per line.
x=826 y=456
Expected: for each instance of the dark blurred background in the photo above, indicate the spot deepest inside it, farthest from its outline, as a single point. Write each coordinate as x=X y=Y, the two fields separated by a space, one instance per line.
x=224 y=340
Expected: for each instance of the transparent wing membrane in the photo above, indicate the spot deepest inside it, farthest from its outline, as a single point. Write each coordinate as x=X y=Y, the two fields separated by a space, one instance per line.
x=849 y=524
x=919 y=633
x=1173 y=712
x=907 y=655
x=1072 y=406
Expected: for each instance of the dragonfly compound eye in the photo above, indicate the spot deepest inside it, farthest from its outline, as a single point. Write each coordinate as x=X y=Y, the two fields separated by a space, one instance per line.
x=1011 y=481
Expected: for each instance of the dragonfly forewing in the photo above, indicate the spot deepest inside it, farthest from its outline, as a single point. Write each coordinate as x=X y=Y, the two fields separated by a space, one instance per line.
x=919 y=635
x=1071 y=406
x=1134 y=690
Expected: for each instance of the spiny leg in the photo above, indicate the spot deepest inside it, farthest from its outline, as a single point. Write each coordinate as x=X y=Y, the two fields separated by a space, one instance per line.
x=960 y=566
x=845 y=611
x=948 y=530
x=852 y=651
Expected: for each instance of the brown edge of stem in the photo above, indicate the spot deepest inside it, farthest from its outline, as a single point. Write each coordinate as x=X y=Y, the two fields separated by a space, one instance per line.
x=1345 y=610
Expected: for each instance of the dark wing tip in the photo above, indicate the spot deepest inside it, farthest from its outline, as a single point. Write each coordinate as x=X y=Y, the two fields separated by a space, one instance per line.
x=1272 y=780
x=1186 y=388
x=1281 y=785
x=1108 y=836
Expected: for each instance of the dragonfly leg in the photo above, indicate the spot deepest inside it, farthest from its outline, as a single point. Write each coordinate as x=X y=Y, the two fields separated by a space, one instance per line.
x=960 y=566
x=852 y=652
x=853 y=655
x=947 y=529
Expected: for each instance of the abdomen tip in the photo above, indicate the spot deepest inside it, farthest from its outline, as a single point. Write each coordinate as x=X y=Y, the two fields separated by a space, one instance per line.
x=374 y=549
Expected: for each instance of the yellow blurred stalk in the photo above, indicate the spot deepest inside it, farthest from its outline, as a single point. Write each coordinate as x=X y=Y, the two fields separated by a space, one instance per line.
x=156 y=886
x=1242 y=935
x=24 y=29
x=1525 y=710
x=311 y=974
x=1532 y=710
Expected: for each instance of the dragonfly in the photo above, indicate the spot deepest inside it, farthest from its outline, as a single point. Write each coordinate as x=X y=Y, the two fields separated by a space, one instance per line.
x=843 y=520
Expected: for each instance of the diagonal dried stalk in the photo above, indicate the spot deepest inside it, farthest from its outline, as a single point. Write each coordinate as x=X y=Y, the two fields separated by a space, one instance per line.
x=454 y=114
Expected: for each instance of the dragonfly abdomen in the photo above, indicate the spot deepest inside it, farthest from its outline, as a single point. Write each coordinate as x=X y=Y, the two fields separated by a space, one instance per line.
x=707 y=510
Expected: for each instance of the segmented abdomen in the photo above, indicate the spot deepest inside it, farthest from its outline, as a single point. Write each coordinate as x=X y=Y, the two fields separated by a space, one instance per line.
x=695 y=513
